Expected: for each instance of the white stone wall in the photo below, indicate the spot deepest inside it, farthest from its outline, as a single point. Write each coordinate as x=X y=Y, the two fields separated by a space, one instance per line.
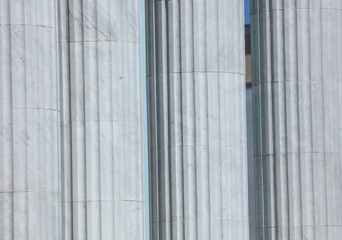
x=197 y=120
x=30 y=191
x=297 y=78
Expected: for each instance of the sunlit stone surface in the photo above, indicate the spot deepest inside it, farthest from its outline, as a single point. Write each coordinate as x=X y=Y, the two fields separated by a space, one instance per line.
x=297 y=78
x=103 y=195
x=197 y=131
x=30 y=193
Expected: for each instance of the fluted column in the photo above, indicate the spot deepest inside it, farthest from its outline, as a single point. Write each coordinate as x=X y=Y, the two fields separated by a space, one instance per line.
x=197 y=129
x=297 y=78
x=30 y=191
x=103 y=124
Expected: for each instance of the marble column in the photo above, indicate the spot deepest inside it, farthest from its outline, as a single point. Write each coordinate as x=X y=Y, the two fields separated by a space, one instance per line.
x=30 y=191
x=102 y=126
x=297 y=78
x=197 y=119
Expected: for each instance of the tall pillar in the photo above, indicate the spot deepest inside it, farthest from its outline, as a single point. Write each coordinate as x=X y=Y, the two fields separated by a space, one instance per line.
x=105 y=163
x=297 y=78
x=197 y=128
x=30 y=191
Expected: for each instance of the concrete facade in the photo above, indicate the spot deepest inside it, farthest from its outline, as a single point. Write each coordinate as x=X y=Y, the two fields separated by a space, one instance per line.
x=297 y=59
x=30 y=190
x=197 y=120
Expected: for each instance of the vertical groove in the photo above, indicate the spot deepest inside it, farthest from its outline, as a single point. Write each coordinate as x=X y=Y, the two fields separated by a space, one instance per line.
x=25 y=120
x=65 y=94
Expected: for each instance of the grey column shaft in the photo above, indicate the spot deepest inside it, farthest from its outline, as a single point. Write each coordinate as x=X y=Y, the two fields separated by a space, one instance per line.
x=197 y=129
x=297 y=78
x=103 y=124
x=29 y=121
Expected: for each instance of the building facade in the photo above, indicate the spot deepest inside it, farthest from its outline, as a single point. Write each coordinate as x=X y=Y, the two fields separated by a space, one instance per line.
x=72 y=127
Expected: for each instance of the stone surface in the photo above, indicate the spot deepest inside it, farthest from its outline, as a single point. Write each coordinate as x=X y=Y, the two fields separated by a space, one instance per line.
x=102 y=126
x=250 y=157
x=197 y=120
x=297 y=78
x=30 y=191
x=65 y=124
